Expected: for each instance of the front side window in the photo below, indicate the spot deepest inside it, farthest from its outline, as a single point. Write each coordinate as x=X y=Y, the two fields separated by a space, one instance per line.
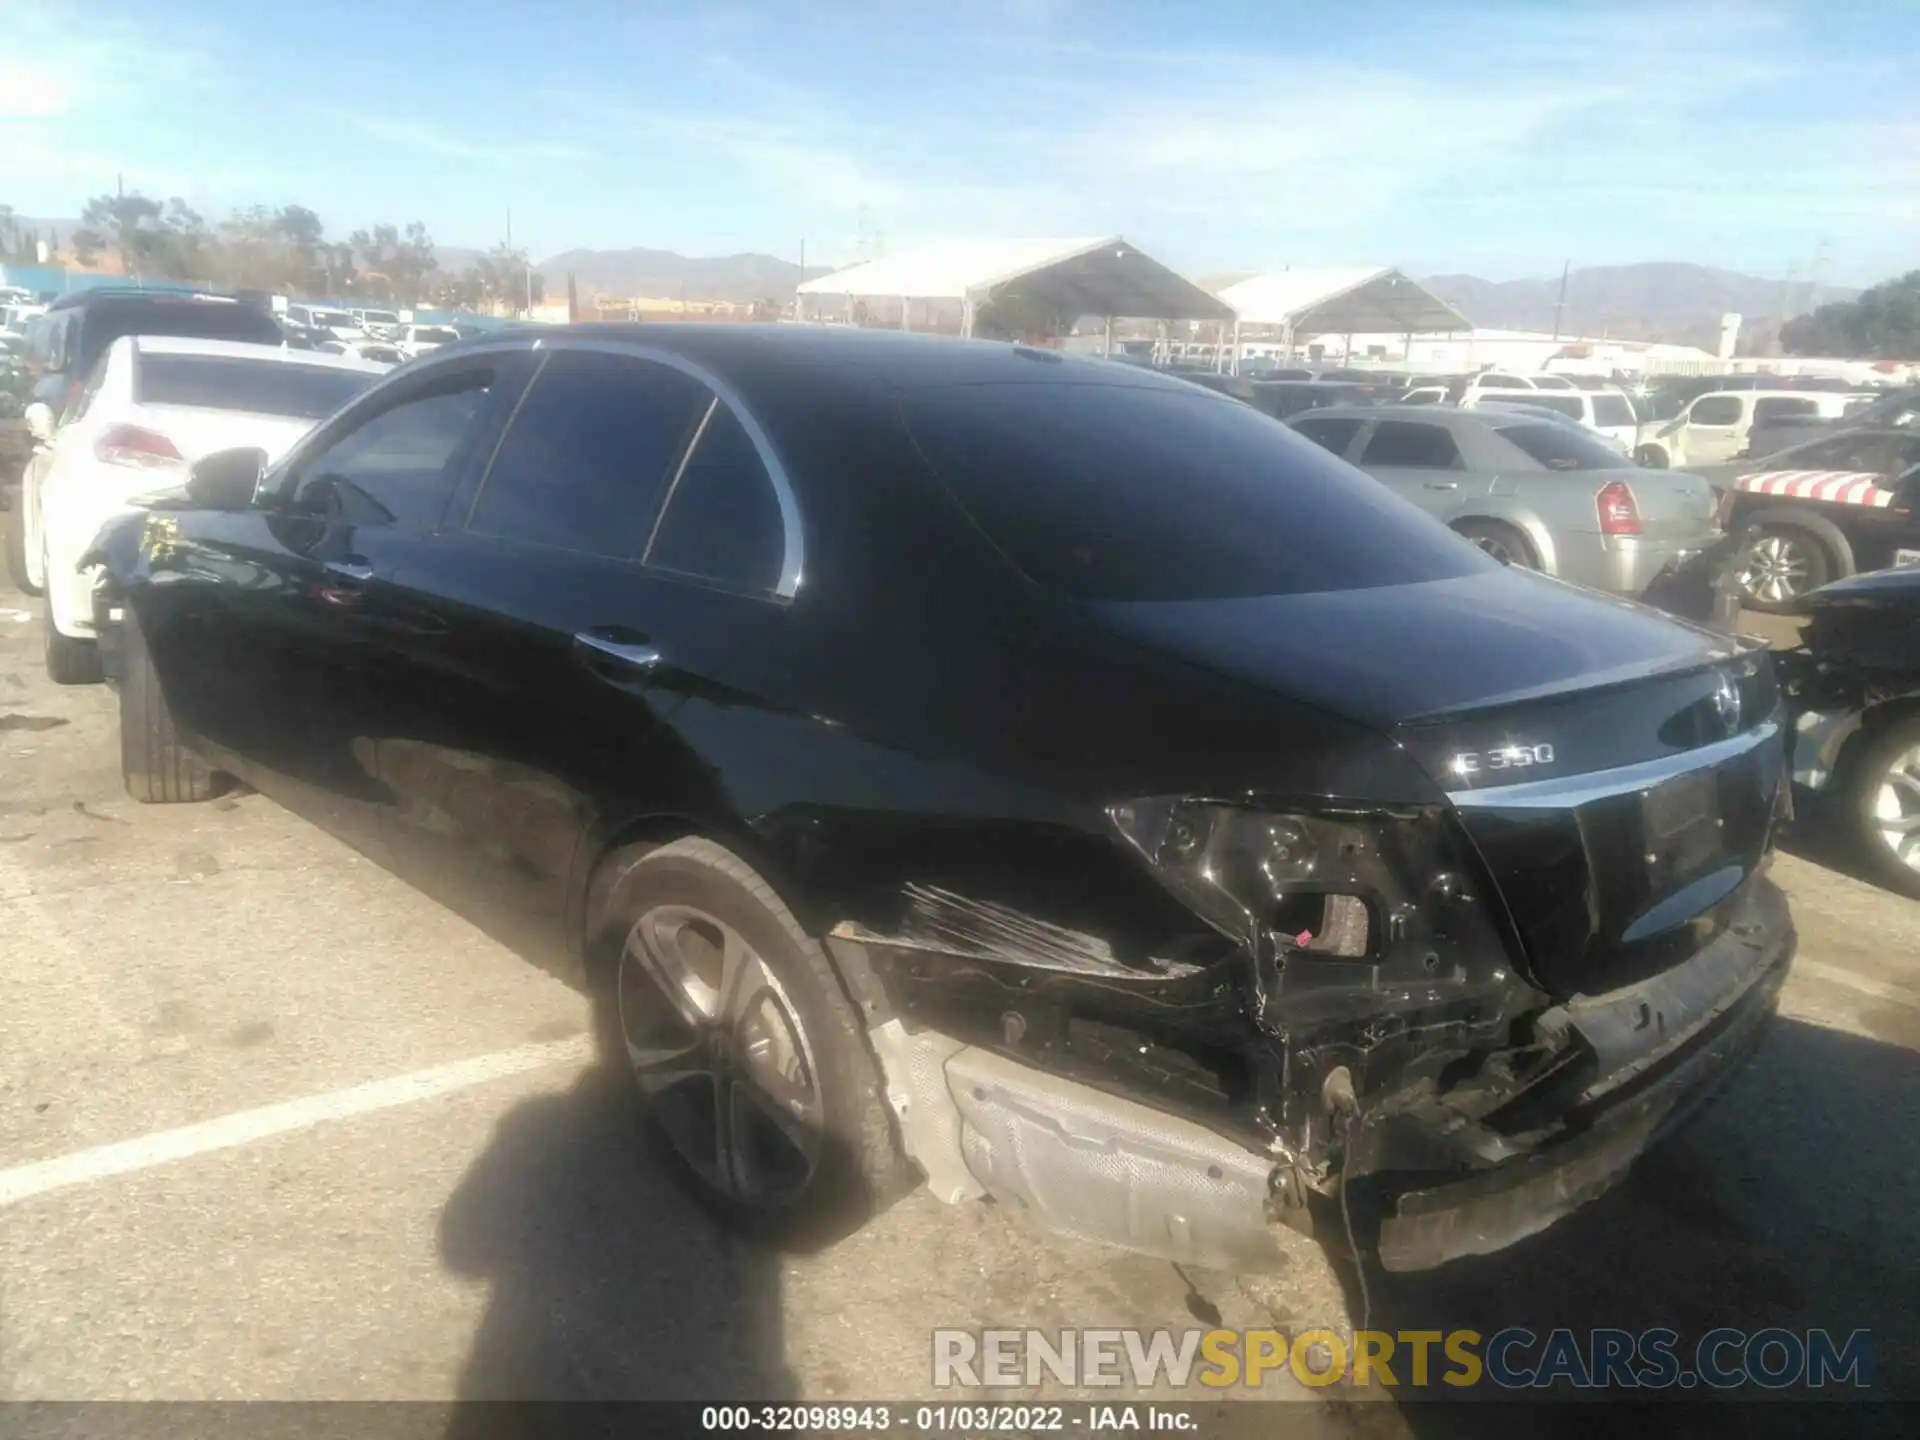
x=588 y=455
x=1329 y=432
x=1405 y=443
x=399 y=467
x=1715 y=410
x=1130 y=493
x=722 y=521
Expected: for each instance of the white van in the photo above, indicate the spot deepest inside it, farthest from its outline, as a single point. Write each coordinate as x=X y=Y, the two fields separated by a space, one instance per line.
x=1713 y=430
x=1605 y=412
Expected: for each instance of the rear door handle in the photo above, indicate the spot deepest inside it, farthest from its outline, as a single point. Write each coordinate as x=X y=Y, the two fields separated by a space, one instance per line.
x=351 y=567
x=1443 y=484
x=624 y=646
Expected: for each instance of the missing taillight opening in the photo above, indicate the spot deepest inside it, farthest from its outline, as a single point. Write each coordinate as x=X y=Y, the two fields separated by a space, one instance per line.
x=1618 y=513
x=133 y=445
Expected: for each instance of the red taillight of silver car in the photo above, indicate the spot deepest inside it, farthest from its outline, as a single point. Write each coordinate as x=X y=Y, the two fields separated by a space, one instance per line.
x=138 y=447
x=1616 y=509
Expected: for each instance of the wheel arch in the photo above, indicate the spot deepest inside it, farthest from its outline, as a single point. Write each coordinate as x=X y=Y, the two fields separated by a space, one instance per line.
x=1523 y=522
x=1815 y=524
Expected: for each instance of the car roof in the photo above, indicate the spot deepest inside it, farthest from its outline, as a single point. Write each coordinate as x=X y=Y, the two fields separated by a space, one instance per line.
x=1442 y=415
x=899 y=359
x=240 y=350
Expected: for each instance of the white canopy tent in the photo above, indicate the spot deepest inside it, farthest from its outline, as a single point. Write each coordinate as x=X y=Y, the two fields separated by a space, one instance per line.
x=1339 y=302
x=1087 y=276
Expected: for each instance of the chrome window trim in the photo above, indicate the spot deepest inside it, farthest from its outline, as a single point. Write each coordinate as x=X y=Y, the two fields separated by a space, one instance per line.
x=673 y=485
x=1572 y=791
x=793 y=563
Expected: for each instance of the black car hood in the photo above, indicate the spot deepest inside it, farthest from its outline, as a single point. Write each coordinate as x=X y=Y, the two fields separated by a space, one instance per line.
x=1393 y=654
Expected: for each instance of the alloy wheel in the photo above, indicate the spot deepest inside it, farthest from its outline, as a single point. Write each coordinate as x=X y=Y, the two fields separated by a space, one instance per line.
x=717 y=1047
x=1497 y=548
x=1896 y=808
x=1776 y=569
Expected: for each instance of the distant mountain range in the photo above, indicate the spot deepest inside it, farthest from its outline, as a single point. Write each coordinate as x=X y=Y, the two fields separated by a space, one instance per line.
x=1660 y=300
x=663 y=274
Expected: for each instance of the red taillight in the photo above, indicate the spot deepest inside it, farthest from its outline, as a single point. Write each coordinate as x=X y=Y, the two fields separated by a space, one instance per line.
x=132 y=445
x=1618 y=514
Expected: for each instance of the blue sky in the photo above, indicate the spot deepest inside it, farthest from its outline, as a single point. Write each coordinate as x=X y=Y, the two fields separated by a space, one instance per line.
x=1499 y=138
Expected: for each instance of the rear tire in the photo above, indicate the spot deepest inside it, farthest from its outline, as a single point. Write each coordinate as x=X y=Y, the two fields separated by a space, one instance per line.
x=713 y=1000
x=1650 y=457
x=1785 y=563
x=16 y=541
x=1883 y=803
x=70 y=661
x=157 y=768
x=1503 y=542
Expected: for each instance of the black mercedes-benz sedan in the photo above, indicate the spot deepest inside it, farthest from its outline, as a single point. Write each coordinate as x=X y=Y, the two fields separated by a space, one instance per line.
x=957 y=762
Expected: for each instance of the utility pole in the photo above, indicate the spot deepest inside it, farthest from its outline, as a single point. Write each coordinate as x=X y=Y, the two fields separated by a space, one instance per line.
x=1560 y=305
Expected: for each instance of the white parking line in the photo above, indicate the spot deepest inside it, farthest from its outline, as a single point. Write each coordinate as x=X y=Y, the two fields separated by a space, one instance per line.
x=1865 y=985
x=125 y=1156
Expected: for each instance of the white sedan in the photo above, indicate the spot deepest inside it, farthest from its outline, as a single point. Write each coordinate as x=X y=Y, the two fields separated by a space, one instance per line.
x=151 y=406
x=417 y=340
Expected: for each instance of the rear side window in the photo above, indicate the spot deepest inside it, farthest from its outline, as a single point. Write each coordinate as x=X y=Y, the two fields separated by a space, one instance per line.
x=256 y=387
x=1503 y=382
x=1329 y=433
x=1715 y=410
x=1116 y=492
x=1780 y=407
x=1612 y=410
x=722 y=521
x=1402 y=442
x=588 y=453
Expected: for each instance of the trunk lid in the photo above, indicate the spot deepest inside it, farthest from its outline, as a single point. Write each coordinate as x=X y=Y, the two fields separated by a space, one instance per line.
x=1619 y=772
x=199 y=430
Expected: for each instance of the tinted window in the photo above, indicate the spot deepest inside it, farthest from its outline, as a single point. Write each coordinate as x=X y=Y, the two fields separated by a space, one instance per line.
x=1715 y=410
x=1561 y=447
x=398 y=467
x=1777 y=407
x=1122 y=493
x=1503 y=382
x=723 y=521
x=1404 y=442
x=101 y=325
x=1331 y=434
x=1570 y=406
x=1612 y=410
x=258 y=387
x=1842 y=452
x=583 y=464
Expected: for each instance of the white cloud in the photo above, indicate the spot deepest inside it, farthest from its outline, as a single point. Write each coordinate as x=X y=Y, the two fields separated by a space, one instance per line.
x=29 y=93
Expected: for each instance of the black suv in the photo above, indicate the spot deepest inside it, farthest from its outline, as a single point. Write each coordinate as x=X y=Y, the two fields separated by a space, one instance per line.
x=78 y=328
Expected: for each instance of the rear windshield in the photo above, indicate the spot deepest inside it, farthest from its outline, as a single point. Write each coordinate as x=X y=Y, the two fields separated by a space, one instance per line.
x=1570 y=406
x=435 y=334
x=193 y=319
x=1561 y=447
x=258 y=387
x=1113 y=492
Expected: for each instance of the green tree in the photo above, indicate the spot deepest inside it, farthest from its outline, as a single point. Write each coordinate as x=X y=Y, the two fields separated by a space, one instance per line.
x=397 y=266
x=1882 y=324
x=508 y=280
x=147 y=237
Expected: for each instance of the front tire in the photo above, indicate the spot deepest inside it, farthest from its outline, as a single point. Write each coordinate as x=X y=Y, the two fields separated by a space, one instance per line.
x=70 y=661
x=1884 y=801
x=157 y=767
x=747 y=1054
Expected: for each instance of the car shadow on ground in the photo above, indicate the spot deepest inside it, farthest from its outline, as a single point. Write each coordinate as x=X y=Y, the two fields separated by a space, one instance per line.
x=608 y=1282
x=1787 y=1202
x=1819 y=835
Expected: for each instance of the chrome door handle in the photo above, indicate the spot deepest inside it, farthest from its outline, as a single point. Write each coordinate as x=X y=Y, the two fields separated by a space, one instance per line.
x=351 y=568
x=1443 y=484
x=640 y=656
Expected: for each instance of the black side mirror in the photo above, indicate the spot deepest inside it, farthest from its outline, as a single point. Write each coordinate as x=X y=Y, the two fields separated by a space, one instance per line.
x=227 y=479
